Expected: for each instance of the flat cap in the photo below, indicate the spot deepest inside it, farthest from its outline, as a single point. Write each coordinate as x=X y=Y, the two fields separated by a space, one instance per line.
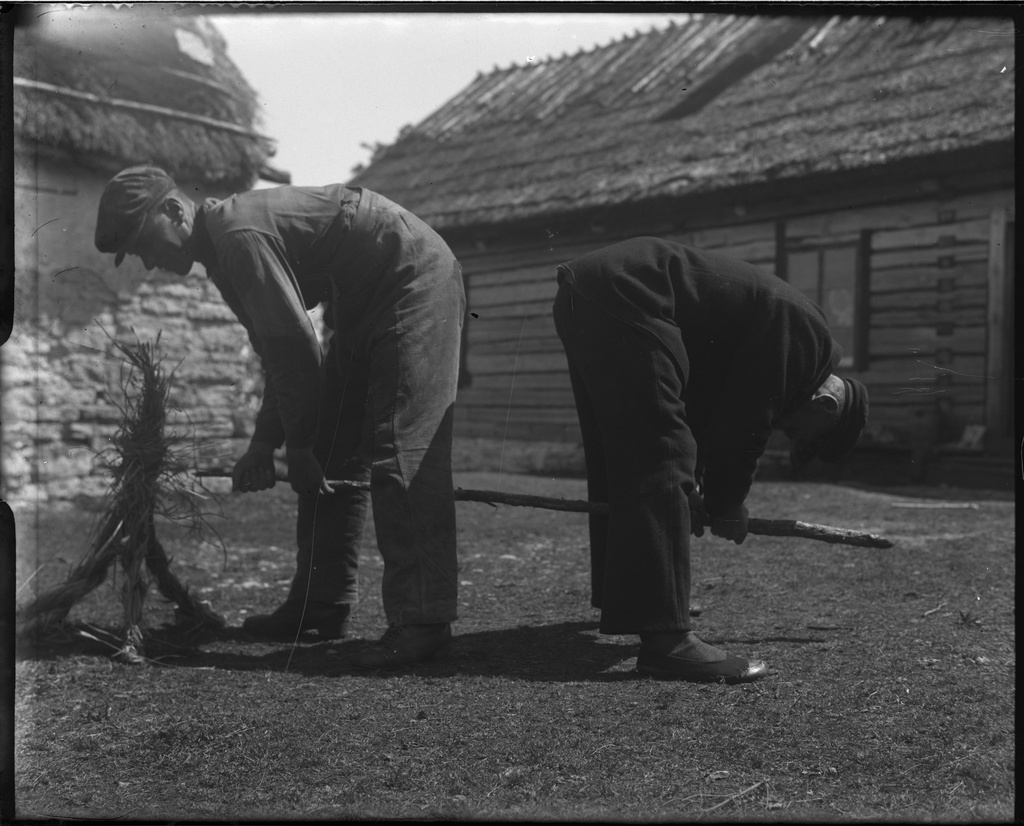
x=851 y=424
x=126 y=199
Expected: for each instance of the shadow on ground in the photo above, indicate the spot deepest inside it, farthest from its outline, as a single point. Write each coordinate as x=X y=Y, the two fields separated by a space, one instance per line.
x=558 y=652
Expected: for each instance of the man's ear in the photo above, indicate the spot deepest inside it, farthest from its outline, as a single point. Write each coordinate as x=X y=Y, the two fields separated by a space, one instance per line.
x=173 y=209
x=825 y=403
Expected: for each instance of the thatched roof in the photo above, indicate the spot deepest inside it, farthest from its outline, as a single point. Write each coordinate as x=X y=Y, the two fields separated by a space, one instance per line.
x=139 y=85
x=711 y=105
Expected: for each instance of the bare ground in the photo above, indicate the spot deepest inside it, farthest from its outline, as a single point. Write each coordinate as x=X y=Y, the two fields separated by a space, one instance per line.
x=891 y=693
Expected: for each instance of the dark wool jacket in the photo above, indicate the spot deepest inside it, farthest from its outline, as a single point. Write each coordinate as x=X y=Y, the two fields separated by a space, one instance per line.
x=750 y=346
x=276 y=253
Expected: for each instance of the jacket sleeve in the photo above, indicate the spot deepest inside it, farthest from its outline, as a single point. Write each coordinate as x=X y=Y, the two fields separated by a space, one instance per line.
x=269 y=427
x=783 y=356
x=272 y=310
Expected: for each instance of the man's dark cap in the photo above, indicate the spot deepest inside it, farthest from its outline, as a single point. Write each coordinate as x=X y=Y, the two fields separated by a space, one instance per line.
x=851 y=424
x=129 y=195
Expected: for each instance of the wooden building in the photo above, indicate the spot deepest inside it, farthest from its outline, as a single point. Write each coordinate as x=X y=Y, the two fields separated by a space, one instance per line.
x=868 y=160
x=95 y=91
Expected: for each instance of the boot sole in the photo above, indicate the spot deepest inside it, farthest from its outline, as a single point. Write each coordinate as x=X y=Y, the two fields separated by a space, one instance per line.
x=729 y=672
x=441 y=650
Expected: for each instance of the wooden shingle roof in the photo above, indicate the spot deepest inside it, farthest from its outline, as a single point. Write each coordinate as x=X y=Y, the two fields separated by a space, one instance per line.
x=710 y=104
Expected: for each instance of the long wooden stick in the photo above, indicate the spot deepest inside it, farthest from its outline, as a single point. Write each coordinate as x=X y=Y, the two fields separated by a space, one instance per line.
x=762 y=527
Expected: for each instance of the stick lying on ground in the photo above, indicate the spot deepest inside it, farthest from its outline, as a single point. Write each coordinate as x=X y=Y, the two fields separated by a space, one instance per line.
x=763 y=527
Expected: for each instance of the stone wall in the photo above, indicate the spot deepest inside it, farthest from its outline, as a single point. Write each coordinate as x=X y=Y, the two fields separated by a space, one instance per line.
x=60 y=368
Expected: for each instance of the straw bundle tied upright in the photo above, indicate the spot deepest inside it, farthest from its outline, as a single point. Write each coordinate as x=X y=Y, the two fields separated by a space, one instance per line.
x=149 y=469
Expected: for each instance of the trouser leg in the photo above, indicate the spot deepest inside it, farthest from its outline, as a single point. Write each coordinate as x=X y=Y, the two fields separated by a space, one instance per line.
x=630 y=391
x=593 y=448
x=329 y=529
x=597 y=482
x=414 y=363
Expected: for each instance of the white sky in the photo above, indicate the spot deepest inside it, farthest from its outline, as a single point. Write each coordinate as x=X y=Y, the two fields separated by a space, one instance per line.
x=330 y=82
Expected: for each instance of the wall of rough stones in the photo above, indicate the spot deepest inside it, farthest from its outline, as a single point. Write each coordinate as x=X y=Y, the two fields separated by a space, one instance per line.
x=59 y=371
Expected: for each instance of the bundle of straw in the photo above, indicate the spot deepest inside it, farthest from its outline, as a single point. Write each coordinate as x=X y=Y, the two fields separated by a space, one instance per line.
x=149 y=469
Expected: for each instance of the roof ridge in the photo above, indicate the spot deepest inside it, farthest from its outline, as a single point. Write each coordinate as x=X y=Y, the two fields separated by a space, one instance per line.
x=566 y=55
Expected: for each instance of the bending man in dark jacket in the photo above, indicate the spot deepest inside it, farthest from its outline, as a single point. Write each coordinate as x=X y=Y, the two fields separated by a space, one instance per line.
x=379 y=406
x=681 y=363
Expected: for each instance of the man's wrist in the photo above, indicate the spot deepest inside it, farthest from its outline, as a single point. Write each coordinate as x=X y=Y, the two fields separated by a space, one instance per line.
x=262 y=448
x=732 y=513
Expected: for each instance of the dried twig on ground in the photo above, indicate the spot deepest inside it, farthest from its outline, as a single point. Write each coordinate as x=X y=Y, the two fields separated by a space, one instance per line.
x=733 y=797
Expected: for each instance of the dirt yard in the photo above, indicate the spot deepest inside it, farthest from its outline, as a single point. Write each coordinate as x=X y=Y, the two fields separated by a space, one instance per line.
x=891 y=693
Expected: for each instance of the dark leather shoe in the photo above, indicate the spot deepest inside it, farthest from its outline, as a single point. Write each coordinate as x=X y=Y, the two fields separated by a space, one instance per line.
x=404 y=645
x=730 y=671
x=328 y=619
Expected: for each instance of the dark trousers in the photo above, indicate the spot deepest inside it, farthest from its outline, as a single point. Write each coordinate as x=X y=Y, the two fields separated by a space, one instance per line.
x=641 y=457
x=329 y=529
x=387 y=415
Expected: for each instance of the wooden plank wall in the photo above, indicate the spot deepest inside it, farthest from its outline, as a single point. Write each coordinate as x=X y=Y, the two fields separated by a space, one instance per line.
x=519 y=386
x=928 y=293
x=927 y=324
x=519 y=380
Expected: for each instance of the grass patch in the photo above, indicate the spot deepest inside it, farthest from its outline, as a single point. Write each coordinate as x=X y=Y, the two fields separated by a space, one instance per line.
x=891 y=693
